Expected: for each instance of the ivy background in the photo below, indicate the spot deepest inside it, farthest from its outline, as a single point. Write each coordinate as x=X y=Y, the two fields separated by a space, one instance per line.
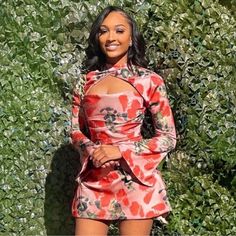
x=191 y=43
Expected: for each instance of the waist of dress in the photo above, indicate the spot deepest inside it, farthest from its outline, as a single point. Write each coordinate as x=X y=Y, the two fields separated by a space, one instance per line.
x=109 y=141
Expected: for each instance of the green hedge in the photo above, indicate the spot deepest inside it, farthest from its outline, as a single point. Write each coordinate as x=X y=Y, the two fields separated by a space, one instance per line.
x=190 y=42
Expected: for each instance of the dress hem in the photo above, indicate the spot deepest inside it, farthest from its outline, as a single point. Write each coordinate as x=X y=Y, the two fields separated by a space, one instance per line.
x=125 y=218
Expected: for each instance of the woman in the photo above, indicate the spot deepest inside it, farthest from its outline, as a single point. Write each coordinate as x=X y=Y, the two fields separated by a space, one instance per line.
x=118 y=179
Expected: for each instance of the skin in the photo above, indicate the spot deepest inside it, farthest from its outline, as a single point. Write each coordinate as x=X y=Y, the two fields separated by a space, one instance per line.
x=115 y=38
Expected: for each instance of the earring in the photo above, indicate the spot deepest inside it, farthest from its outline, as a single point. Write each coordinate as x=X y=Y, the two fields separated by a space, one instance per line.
x=130 y=43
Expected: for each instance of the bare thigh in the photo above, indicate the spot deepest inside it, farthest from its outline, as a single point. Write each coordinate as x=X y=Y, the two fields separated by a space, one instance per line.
x=88 y=227
x=135 y=227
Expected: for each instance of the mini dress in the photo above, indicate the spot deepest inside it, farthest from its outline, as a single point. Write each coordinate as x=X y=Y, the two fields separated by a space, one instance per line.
x=134 y=188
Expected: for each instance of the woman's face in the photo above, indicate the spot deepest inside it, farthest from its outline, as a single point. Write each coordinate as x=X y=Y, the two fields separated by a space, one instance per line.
x=115 y=38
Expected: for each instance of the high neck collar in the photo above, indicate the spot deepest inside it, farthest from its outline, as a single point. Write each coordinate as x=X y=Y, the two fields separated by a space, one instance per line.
x=116 y=70
x=125 y=72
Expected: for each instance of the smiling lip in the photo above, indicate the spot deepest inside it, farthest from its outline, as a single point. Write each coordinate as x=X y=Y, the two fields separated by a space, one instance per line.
x=112 y=47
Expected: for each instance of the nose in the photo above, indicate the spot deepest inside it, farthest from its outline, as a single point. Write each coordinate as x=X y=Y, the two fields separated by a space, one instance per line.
x=111 y=36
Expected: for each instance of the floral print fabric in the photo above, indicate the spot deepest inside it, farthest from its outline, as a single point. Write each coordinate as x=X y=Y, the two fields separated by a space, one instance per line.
x=134 y=189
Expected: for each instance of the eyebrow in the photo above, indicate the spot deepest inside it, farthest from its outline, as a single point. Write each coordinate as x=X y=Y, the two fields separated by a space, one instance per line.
x=115 y=25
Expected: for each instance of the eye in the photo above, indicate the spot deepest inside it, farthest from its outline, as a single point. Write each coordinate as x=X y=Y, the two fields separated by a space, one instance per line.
x=102 y=31
x=120 y=31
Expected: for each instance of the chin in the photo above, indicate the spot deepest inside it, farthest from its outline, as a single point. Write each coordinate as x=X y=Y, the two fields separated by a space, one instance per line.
x=120 y=59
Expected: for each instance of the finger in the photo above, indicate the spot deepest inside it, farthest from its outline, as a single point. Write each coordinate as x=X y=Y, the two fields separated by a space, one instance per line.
x=117 y=163
x=109 y=164
x=97 y=164
x=98 y=156
x=96 y=152
x=105 y=165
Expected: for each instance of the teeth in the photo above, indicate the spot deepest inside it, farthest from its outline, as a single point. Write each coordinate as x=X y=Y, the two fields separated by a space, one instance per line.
x=112 y=47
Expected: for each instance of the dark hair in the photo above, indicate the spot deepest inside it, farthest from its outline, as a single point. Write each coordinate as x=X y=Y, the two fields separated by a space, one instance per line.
x=95 y=58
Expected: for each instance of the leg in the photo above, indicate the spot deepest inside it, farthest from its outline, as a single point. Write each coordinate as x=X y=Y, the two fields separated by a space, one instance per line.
x=136 y=227
x=90 y=227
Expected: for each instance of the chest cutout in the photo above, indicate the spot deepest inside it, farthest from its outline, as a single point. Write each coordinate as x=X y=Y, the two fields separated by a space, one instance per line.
x=110 y=85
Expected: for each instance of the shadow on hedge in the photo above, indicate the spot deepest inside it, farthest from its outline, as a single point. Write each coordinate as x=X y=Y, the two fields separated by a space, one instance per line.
x=59 y=191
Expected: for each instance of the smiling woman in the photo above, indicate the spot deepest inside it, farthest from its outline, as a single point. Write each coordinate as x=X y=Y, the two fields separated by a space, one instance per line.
x=115 y=38
x=96 y=58
x=119 y=179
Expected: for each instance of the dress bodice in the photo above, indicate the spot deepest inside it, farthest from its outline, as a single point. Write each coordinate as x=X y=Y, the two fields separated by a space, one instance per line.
x=115 y=117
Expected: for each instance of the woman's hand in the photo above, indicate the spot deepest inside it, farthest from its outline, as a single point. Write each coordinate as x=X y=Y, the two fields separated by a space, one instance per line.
x=110 y=164
x=106 y=153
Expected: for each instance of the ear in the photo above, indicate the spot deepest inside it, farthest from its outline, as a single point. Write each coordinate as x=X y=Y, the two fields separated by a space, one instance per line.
x=130 y=42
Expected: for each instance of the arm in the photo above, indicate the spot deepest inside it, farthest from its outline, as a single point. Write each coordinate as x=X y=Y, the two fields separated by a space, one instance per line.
x=78 y=139
x=143 y=157
x=102 y=155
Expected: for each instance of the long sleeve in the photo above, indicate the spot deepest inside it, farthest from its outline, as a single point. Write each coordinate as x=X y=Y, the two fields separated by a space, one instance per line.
x=79 y=139
x=144 y=156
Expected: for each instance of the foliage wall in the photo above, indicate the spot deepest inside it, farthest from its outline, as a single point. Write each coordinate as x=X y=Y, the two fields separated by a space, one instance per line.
x=190 y=42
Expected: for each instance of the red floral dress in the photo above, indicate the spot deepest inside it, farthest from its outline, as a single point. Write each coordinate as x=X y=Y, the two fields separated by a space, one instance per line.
x=134 y=188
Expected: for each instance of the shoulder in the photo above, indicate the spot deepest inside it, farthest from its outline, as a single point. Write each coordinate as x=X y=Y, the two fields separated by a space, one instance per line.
x=90 y=74
x=149 y=76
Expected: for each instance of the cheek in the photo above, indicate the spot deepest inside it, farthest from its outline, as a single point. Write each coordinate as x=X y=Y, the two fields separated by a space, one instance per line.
x=125 y=40
x=101 y=43
x=101 y=40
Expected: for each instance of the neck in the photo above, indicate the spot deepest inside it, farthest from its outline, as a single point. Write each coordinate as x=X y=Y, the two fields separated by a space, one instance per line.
x=117 y=62
x=116 y=65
